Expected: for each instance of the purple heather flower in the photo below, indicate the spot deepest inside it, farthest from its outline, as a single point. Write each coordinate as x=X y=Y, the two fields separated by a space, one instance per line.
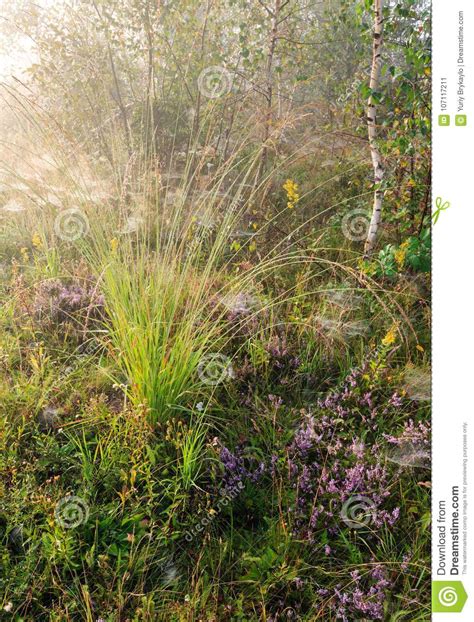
x=275 y=401
x=396 y=400
x=364 y=596
x=405 y=562
x=57 y=302
x=299 y=583
x=238 y=470
x=328 y=464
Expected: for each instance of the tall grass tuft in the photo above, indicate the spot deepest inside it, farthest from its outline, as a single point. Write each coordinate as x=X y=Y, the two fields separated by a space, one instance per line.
x=162 y=284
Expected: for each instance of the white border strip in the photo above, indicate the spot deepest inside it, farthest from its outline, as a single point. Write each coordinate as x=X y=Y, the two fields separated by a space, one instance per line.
x=453 y=298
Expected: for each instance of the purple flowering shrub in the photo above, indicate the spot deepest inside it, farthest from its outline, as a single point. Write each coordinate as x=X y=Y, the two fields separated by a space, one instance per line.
x=345 y=479
x=324 y=494
x=73 y=305
x=413 y=446
x=333 y=476
x=362 y=598
x=238 y=469
x=337 y=463
x=244 y=470
x=280 y=355
x=280 y=370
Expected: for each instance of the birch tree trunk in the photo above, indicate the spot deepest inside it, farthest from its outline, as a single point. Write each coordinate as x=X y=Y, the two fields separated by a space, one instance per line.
x=372 y=128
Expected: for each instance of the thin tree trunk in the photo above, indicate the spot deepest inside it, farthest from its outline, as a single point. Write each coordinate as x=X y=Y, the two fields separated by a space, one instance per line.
x=426 y=201
x=150 y=125
x=275 y=14
x=197 y=115
x=121 y=105
x=372 y=129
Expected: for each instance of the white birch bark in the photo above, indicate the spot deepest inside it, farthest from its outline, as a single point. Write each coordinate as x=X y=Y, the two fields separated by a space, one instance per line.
x=372 y=128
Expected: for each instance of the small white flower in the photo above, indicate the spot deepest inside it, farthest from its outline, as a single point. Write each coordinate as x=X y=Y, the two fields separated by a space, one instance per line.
x=8 y=607
x=200 y=406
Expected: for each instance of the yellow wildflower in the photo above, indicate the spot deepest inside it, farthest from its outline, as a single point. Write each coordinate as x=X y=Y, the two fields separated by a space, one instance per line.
x=36 y=240
x=24 y=254
x=114 y=245
x=291 y=189
x=390 y=337
x=400 y=254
